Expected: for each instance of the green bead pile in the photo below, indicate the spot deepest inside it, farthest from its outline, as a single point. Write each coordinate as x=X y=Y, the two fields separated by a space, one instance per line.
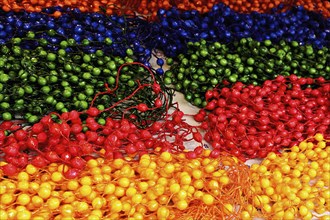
x=36 y=82
x=207 y=65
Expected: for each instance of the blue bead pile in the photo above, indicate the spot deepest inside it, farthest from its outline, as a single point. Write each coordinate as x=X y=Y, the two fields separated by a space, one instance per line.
x=170 y=33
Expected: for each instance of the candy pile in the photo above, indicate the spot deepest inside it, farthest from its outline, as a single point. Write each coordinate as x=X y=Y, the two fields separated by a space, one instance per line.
x=161 y=186
x=251 y=121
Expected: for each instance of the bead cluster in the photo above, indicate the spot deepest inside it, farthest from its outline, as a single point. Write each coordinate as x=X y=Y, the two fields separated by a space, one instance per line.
x=162 y=186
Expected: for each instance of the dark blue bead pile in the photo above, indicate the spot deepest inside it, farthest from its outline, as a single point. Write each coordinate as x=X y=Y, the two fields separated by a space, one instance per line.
x=222 y=24
x=172 y=31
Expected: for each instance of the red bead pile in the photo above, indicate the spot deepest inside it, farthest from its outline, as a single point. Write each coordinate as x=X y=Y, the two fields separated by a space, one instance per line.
x=251 y=121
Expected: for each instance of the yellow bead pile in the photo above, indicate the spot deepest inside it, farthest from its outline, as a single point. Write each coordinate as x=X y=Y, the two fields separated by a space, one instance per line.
x=294 y=184
x=162 y=186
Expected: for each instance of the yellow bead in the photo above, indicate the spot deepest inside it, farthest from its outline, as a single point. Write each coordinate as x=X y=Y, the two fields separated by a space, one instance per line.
x=209 y=168
x=119 y=191
x=198 y=194
x=23 y=176
x=23 y=199
x=116 y=206
x=85 y=190
x=288 y=215
x=326 y=167
x=303 y=194
x=265 y=183
x=118 y=163
x=109 y=189
x=295 y=149
x=174 y=188
x=44 y=192
x=262 y=169
x=320 y=184
x=143 y=186
x=322 y=144
x=131 y=192
x=197 y=174
x=162 y=181
x=185 y=180
x=269 y=191
x=296 y=173
x=106 y=169
x=318 y=137
x=310 y=145
x=68 y=197
x=7 y=199
x=213 y=184
x=301 y=156
x=224 y=180
x=312 y=173
x=182 y=194
x=97 y=203
x=198 y=184
x=305 y=178
x=166 y=156
x=73 y=185
x=152 y=205
x=86 y=180
x=206 y=152
x=67 y=210
x=137 y=198
x=3 y=214
x=285 y=168
x=303 y=145
x=57 y=177
x=326 y=193
x=24 y=214
x=310 y=154
x=208 y=199
x=23 y=185
x=267 y=208
x=92 y=163
x=206 y=161
x=309 y=204
x=53 y=203
x=123 y=182
x=163 y=213
x=245 y=215
x=97 y=213
x=182 y=204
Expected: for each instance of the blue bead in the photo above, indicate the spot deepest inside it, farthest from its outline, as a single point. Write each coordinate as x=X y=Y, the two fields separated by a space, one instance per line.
x=54 y=40
x=60 y=31
x=9 y=28
x=101 y=28
x=161 y=12
x=203 y=35
x=51 y=24
x=160 y=71
x=160 y=62
x=3 y=34
x=78 y=29
x=77 y=37
x=19 y=23
x=175 y=24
